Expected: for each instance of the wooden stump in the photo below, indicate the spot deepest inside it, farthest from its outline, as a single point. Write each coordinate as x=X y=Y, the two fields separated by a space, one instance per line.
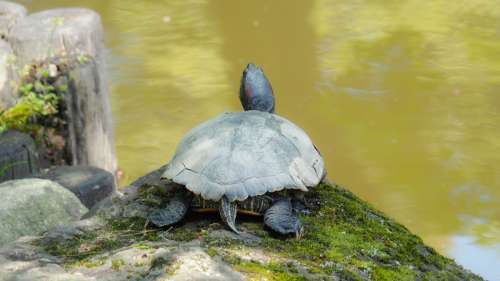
x=18 y=158
x=75 y=34
x=6 y=97
x=90 y=130
x=9 y=14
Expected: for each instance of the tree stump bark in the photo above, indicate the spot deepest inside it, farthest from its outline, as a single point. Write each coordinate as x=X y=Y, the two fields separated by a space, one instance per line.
x=10 y=13
x=76 y=34
x=6 y=96
x=18 y=158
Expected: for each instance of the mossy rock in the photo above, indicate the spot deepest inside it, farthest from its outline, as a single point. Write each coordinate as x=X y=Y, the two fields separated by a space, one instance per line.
x=345 y=239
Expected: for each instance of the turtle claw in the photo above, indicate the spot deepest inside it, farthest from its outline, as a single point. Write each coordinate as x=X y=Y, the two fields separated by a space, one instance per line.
x=232 y=226
x=281 y=218
x=161 y=218
x=228 y=211
x=175 y=211
x=299 y=232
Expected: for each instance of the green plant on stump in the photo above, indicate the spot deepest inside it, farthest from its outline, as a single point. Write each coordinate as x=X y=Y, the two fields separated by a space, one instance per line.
x=38 y=99
x=38 y=96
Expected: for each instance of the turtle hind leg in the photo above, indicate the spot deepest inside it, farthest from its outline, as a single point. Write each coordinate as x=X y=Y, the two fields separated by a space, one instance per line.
x=228 y=211
x=175 y=211
x=281 y=218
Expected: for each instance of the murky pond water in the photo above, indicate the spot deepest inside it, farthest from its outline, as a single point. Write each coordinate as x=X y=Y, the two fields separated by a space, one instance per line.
x=402 y=97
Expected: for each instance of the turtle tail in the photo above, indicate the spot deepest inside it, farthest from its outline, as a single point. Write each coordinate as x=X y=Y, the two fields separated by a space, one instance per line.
x=228 y=211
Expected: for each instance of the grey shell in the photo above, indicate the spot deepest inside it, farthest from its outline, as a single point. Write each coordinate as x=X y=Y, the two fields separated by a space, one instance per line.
x=244 y=154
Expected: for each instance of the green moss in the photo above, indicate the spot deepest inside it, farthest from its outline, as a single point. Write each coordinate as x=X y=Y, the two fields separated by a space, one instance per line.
x=139 y=264
x=347 y=238
x=272 y=271
x=160 y=262
x=211 y=251
x=117 y=264
x=184 y=234
x=117 y=234
x=385 y=274
x=167 y=264
x=38 y=99
x=142 y=246
x=88 y=263
x=153 y=191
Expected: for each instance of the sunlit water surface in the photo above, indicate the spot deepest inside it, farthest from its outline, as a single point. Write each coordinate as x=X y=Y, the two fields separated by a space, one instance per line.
x=402 y=97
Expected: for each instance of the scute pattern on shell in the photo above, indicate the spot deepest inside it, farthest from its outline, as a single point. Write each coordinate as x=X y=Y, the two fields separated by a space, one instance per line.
x=245 y=154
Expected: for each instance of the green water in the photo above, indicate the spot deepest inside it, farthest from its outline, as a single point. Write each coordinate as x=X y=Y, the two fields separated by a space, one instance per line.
x=402 y=97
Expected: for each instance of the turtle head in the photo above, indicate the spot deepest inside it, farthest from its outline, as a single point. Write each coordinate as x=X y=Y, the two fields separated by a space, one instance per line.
x=255 y=90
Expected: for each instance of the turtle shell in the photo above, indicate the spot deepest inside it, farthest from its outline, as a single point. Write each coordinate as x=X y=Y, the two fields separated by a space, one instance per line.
x=242 y=154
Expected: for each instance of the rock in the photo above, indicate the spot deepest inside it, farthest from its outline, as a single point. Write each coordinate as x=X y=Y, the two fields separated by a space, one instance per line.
x=22 y=261
x=106 y=208
x=35 y=271
x=21 y=249
x=137 y=200
x=246 y=238
x=70 y=231
x=153 y=178
x=191 y=263
x=342 y=242
x=72 y=41
x=89 y=225
x=89 y=184
x=9 y=13
x=32 y=206
x=157 y=260
x=18 y=157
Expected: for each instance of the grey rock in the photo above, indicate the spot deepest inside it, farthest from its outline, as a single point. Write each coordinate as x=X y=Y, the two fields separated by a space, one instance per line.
x=109 y=207
x=32 y=206
x=124 y=206
x=163 y=260
x=89 y=224
x=190 y=263
x=246 y=238
x=136 y=209
x=21 y=250
x=89 y=184
x=60 y=234
x=128 y=202
x=51 y=271
x=152 y=178
x=9 y=13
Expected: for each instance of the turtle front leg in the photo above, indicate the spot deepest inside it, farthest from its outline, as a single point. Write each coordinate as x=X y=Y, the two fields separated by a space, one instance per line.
x=281 y=218
x=228 y=211
x=175 y=211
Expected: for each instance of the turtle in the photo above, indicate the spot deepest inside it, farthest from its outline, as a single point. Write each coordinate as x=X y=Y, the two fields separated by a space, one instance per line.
x=252 y=162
